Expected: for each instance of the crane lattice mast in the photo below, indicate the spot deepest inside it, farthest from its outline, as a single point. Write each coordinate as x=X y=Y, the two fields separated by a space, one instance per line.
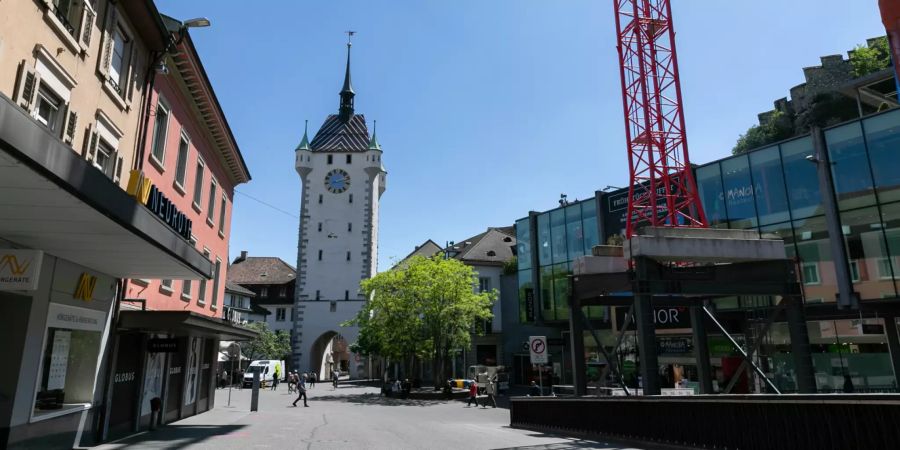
x=662 y=190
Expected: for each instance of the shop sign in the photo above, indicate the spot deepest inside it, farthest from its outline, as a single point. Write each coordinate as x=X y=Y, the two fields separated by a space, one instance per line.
x=84 y=289
x=675 y=317
x=20 y=269
x=160 y=345
x=529 y=305
x=141 y=188
x=74 y=318
x=673 y=345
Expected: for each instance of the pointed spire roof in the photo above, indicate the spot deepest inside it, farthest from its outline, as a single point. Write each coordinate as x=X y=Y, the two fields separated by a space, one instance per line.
x=373 y=143
x=346 y=110
x=304 y=143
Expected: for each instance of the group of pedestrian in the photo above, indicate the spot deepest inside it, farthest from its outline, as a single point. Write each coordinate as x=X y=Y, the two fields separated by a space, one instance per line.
x=294 y=377
x=490 y=392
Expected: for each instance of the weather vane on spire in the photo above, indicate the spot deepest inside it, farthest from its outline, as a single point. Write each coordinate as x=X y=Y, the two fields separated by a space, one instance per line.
x=349 y=37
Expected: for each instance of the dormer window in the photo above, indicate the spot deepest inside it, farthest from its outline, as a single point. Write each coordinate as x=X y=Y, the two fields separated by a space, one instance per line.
x=263 y=292
x=491 y=253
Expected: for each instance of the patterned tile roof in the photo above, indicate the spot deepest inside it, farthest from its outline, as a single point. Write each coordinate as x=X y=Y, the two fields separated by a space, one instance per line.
x=260 y=270
x=338 y=136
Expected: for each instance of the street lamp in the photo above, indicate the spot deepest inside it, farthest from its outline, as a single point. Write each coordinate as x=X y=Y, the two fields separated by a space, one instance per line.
x=199 y=22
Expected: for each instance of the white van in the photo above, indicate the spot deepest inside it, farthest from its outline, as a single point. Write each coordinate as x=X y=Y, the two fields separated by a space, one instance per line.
x=266 y=369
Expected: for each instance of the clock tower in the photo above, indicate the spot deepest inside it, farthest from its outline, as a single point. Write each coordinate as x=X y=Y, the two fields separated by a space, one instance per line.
x=342 y=181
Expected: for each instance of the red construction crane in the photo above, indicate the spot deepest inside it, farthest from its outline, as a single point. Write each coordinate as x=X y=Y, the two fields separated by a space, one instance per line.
x=662 y=189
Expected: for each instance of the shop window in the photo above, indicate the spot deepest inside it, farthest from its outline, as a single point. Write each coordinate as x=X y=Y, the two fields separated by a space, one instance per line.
x=70 y=358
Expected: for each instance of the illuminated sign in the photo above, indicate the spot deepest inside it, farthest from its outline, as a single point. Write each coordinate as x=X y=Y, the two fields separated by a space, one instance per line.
x=20 y=269
x=84 y=290
x=141 y=188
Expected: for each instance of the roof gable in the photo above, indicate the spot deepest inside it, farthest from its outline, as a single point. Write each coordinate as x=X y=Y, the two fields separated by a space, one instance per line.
x=261 y=270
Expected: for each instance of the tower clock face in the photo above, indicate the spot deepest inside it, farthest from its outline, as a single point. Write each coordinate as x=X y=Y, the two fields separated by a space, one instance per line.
x=337 y=181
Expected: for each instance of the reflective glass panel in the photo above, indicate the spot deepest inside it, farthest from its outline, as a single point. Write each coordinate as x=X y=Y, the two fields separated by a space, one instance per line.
x=523 y=243
x=769 y=192
x=802 y=180
x=709 y=185
x=850 y=166
x=561 y=291
x=547 y=292
x=890 y=267
x=866 y=252
x=784 y=232
x=739 y=192
x=574 y=231
x=883 y=139
x=525 y=286
x=543 y=224
x=589 y=215
x=558 y=235
x=815 y=260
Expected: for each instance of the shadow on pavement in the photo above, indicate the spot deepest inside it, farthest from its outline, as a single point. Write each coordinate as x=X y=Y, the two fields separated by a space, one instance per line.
x=373 y=399
x=179 y=436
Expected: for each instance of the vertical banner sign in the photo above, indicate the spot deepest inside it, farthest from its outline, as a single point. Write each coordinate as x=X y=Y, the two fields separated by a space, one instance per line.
x=537 y=346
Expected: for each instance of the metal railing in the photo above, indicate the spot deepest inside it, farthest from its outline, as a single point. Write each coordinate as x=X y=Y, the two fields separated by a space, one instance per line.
x=63 y=20
x=843 y=422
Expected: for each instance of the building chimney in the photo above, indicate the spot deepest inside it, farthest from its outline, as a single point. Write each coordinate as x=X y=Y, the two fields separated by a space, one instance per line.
x=241 y=258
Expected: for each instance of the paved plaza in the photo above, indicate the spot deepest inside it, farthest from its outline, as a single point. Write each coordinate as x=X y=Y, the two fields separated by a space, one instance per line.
x=347 y=418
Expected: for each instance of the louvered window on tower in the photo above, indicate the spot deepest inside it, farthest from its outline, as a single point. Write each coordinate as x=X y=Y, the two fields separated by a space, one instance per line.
x=320 y=199
x=320 y=255
x=330 y=159
x=349 y=159
x=349 y=226
x=348 y=255
x=351 y=198
x=320 y=226
x=346 y=295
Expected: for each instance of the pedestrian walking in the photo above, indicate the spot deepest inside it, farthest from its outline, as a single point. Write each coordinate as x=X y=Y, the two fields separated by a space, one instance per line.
x=223 y=381
x=312 y=380
x=405 y=388
x=301 y=389
x=290 y=382
x=334 y=379
x=490 y=390
x=473 y=394
x=275 y=376
x=240 y=381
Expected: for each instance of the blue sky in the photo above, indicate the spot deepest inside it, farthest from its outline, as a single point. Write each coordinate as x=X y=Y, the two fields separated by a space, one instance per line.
x=486 y=109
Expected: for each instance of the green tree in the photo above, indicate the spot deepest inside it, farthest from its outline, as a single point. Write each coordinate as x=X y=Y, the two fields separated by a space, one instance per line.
x=267 y=345
x=427 y=309
x=872 y=58
x=775 y=129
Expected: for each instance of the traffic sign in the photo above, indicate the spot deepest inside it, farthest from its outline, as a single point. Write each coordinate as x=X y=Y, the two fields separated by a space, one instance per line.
x=537 y=346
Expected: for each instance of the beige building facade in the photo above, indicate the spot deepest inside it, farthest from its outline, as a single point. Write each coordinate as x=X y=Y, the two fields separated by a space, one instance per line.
x=79 y=67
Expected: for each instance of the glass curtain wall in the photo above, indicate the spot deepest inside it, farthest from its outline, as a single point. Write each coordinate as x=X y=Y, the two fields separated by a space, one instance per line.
x=563 y=234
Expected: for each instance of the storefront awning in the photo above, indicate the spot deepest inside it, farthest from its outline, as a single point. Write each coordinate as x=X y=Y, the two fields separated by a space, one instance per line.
x=183 y=323
x=53 y=200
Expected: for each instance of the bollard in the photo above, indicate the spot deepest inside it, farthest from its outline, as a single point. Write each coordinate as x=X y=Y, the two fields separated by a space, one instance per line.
x=254 y=396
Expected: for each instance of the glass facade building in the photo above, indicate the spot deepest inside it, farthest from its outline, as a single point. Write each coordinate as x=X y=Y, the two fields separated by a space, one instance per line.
x=776 y=190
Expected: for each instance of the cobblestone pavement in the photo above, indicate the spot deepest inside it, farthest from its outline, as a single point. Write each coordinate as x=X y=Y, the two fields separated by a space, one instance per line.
x=347 y=418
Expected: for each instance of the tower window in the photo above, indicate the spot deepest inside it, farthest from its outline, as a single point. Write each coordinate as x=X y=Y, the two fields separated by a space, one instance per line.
x=333 y=306
x=320 y=226
x=349 y=226
x=318 y=295
x=348 y=255
x=330 y=159
x=320 y=199
x=351 y=198
x=349 y=159
x=320 y=255
x=346 y=295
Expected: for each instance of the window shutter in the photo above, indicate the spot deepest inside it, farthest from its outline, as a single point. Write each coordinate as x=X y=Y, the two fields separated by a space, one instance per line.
x=69 y=127
x=28 y=86
x=133 y=72
x=118 y=170
x=106 y=50
x=87 y=24
x=92 y=146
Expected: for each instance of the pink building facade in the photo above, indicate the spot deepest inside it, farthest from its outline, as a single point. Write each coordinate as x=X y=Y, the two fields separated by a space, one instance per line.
x=191 y=158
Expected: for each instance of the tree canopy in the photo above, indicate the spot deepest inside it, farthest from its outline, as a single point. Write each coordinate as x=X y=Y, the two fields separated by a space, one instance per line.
x=871 y=58
x=267 y=345
x=427 y=309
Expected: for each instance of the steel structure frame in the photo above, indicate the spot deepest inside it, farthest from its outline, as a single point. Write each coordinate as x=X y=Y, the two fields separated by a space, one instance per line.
x=662 y=189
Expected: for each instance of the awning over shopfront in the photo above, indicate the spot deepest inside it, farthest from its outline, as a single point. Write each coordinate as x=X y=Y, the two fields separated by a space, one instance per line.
x=183 y=323
x=53 y=200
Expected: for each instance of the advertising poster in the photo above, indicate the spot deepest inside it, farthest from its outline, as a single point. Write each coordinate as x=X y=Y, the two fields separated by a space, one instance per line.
x=59 y=359
x=193 y=371
x=153 y=380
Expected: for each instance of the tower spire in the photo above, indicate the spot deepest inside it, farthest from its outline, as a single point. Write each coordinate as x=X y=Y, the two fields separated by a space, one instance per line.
x=347 y=94
x=373 y=143
x=304 y=143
